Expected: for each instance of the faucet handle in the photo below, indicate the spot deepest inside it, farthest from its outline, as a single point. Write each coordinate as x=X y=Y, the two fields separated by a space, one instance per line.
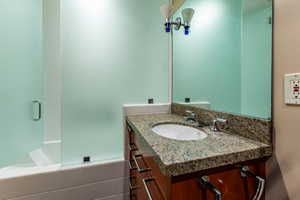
x=190 y=116
x=221 y=120
x=215 y=127
x=191 y=113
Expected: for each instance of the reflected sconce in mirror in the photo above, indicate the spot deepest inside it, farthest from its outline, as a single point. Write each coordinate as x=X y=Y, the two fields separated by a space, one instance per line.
x=187 y=15
x=185 y=21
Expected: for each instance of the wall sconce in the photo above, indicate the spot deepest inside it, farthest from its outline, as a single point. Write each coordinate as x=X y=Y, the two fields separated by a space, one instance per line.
x=166 y=11
x=187 y=16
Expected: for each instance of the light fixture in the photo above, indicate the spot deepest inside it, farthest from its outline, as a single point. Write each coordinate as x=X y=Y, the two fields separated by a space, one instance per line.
x=166 y=11
x=187 y=16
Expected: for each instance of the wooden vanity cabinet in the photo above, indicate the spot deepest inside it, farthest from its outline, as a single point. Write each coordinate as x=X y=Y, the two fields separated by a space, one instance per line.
x=148 y=183
x=144 y=183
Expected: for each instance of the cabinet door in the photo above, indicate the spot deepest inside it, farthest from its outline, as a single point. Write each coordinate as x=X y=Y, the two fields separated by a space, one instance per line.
x=187 y=190
x=233 y=186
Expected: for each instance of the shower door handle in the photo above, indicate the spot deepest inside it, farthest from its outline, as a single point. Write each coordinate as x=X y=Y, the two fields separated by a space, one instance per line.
x=36 y=110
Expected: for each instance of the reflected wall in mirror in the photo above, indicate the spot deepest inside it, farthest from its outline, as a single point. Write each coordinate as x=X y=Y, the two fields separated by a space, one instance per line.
x=225 y=64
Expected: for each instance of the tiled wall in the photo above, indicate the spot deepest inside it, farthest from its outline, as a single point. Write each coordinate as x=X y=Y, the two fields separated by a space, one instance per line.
x=103 y=181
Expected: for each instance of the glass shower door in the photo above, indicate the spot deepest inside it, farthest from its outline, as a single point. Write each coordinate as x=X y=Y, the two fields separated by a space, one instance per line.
x=21 y=80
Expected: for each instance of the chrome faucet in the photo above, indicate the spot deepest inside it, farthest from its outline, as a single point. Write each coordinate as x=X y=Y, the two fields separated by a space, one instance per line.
x=215 y=127
x=190 y=117
x=193 y=118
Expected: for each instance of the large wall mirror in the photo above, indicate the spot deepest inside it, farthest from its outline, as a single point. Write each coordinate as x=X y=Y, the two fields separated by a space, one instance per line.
x=225 y=64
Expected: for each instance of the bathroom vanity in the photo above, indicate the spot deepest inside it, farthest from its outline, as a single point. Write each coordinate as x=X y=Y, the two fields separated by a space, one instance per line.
x=204 y=169
x=222 y=72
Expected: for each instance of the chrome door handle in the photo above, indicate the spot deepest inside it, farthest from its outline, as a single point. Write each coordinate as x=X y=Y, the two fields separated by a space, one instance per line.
x=245 y=172
x=204 y=182
x=37 y=110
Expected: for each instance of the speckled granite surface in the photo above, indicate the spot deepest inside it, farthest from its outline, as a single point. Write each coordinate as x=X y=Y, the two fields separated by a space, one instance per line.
x=182 y=157
x=249 y=127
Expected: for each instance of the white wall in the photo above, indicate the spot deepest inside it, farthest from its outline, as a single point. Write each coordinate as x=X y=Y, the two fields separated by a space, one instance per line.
x=284 y=168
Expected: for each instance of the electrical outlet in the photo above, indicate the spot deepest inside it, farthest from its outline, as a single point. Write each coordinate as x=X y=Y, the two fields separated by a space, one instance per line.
x=292 y=88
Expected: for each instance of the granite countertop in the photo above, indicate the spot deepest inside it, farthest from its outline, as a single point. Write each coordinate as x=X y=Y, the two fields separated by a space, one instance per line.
x=182 y=157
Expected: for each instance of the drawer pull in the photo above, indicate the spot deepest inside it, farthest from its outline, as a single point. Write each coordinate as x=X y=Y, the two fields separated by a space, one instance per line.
x=204 y=182
x=130 y=166
x=131 y=187
x=150 y=197
x=245 y=172
x=146 y=187
x=129 y=128
x=132 y=147
x=137 y=164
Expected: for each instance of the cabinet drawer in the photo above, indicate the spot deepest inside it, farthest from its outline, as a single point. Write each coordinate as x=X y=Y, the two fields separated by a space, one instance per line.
x=143 y=185
x=140 y=163
x=132 y=150
x=163 y=182
x=148 y=187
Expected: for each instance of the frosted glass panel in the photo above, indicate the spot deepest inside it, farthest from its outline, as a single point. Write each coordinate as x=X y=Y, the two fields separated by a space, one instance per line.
x=21 y=79
x=257 y=58
x=226 y=60
x=114 y=52
x=207 y=63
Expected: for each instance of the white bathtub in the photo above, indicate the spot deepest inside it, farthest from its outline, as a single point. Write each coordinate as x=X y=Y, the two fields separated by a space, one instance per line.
x=50 y=149
x=32 y=181
x=106 y=180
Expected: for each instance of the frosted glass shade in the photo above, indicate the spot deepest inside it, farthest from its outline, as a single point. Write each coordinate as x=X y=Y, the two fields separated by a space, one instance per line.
x=176 y=5
x=187 y=15
x=166 y=10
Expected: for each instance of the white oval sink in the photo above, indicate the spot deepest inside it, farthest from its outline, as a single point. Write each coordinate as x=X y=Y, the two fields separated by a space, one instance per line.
x=179 y=132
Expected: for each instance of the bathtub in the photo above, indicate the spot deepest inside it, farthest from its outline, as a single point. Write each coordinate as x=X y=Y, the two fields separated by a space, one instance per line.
x=33 y=164
x=105 y=180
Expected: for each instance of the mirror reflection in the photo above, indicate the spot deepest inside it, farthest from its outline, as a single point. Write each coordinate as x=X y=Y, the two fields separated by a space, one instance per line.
x=225 y=63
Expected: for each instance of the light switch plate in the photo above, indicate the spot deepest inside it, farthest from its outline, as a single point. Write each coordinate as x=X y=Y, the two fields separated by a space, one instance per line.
x=292 y=88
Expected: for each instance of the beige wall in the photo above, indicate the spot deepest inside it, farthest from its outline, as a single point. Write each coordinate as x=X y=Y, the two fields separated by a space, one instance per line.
x=284 y=168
